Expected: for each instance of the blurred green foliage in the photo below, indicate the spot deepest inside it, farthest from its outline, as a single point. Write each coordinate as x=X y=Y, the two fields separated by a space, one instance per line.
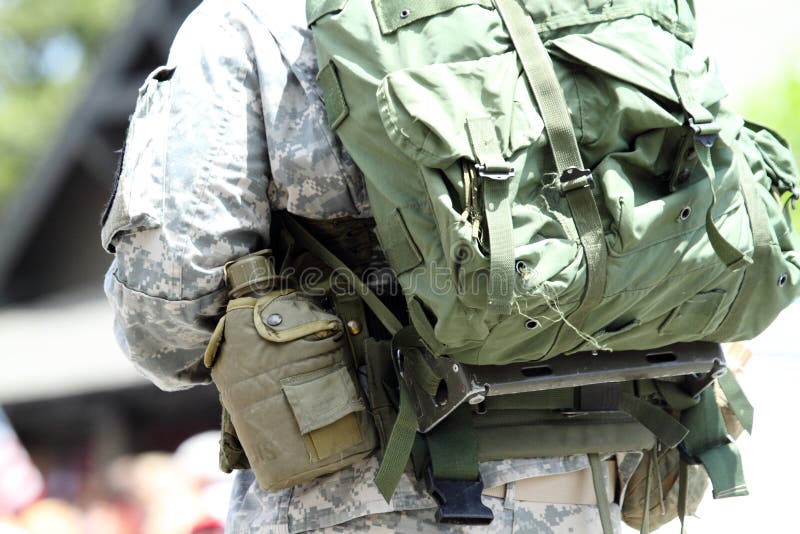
x=776 y=104
x=47 y=49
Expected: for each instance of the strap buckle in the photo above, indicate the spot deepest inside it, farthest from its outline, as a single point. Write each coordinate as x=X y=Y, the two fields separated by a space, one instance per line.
x=459 y=501
x=705 y=133
x=574 y=178
x=494 y=173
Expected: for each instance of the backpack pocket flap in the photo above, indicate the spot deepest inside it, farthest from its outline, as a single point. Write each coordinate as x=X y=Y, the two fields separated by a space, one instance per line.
x=394 y=14
x=316 y=9
x=425 y=110
x=637 y=51
x=320 y=398
x=281 y=318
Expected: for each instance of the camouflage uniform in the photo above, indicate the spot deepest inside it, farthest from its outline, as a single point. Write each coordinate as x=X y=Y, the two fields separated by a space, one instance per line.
x=230 y=129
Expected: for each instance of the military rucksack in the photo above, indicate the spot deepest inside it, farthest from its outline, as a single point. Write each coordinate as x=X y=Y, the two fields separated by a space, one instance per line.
x=537 y=200
x=557 y=176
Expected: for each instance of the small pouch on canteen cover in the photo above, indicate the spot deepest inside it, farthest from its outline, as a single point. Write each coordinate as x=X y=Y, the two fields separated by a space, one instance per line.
x=284 y=375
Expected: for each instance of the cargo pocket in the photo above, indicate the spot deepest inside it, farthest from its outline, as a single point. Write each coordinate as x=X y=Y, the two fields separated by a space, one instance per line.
x=283 y=372
x=325 y=404
x=698 y=315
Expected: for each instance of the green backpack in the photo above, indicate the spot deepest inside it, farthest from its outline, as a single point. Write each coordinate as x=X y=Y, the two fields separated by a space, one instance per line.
x=591 y=193
x=569 y=185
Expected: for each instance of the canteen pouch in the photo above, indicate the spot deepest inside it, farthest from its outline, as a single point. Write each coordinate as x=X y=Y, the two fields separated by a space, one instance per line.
x=285 y=379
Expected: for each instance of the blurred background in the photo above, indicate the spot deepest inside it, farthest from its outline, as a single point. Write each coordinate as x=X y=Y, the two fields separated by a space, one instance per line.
x=106 y=451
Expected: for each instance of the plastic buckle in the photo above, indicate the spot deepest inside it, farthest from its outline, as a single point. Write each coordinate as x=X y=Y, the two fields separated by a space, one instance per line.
x=706 y=134
x=494 y=173
x=574 y=178
x=459 y=501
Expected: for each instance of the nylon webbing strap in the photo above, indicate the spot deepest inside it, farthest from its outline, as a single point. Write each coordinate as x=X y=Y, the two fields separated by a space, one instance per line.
x=539 y=72
x=542 y=78
x=496 y=175
x=599 y=476
x=398 y=448
x=668 y=430
x=731 y=256
x=453 y=447
x=683 y=489
x=708 y=441
x=699 y=114
x=759 y=226
x=737 y=400
x=384 y=314
x=648 y=487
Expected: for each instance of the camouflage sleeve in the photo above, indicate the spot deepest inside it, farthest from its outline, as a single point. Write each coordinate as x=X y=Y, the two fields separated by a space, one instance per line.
x=191 y=195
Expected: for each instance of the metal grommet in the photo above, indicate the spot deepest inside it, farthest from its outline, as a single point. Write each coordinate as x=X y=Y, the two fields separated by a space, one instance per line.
x=354 y=327
x=532 y=324
x=404 y=13
x=521 y=267
x=782 y=280
x=274 y=319
x=685 y=213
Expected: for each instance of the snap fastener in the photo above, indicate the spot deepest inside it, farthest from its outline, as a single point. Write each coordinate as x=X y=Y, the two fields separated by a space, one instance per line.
x=404 y=13
x=782 y=280
x=354 y=327
x=274 y=319
x=532 y=324
x=685 y=213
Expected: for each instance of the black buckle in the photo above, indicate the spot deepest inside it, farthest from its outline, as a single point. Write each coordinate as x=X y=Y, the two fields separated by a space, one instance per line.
x=459 y=501
x=574 y=178
x=706 y=134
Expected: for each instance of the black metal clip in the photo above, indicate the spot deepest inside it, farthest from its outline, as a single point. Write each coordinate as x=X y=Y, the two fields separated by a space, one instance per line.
x=574 y=178
x=459 y=501
x=706 y=134
x=494 y=173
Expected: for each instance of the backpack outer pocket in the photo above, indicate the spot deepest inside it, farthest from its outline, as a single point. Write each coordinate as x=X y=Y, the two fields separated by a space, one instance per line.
x=284 y=376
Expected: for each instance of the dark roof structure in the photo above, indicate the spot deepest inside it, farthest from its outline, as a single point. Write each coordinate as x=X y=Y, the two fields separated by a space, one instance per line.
x=50 y=230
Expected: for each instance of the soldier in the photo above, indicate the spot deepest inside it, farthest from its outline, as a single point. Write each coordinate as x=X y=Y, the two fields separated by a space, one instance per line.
x=230 y=130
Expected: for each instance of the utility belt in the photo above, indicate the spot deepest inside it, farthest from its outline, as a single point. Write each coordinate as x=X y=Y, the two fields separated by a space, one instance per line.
x=313 y=379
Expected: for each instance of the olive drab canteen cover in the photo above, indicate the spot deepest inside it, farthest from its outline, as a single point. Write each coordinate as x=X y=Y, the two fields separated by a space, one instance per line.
x=554 y=176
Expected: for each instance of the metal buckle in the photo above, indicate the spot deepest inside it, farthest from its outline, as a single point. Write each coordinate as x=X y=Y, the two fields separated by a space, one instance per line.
x=706 y=133
x=494 y=173
x=574 y=178
x=459 y=501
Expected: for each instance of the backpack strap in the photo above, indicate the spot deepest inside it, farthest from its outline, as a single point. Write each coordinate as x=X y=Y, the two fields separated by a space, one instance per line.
x=496 y=174
x=705 y=131
x=599 y=475
x=575 y=182
x=381 y=311
x=709 y=443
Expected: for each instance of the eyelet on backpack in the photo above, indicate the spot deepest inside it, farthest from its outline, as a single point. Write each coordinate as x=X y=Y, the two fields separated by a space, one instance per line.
x=685 y=213
x=783 y=279
x=532 y=324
